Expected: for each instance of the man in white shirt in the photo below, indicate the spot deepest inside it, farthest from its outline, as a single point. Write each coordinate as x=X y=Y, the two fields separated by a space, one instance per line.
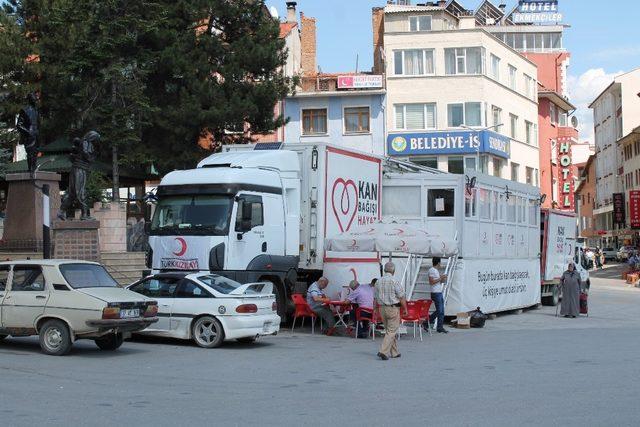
x=437 y=280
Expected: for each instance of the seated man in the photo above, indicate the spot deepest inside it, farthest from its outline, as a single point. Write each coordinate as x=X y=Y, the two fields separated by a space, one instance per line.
x=316 y=298
x=361 y=296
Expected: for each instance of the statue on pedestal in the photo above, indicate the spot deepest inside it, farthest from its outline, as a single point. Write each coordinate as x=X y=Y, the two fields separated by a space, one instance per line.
x=82 y=157
x=27 y=125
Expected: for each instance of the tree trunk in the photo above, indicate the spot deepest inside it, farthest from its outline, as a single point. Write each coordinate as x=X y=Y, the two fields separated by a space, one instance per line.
x=115 y=172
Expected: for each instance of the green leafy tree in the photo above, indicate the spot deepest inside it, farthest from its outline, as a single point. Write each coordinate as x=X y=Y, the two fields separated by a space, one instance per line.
x=153 y=77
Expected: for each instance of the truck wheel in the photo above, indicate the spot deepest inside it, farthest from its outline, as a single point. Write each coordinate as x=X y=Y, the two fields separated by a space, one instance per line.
x=207 y=332
x=55 y=339
x=110 y=342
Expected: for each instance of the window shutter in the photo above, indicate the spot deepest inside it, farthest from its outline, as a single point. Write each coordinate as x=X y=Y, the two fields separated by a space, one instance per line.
x=415 y=116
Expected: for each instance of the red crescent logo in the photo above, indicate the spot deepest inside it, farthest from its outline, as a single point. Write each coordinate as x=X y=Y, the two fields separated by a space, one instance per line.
x=183 y=247
x=403 y=244
x=399 y=230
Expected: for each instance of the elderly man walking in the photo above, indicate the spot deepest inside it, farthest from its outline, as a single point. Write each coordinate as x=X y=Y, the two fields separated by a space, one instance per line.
x=390 y=297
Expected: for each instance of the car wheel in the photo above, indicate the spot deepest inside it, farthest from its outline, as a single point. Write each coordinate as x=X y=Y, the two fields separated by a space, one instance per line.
x=55 y=338
x=3 y=337
x=110 y=342
x=207 y=332
x=246 y=340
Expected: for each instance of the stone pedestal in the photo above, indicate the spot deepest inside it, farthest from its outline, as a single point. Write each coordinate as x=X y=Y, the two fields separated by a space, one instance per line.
x=113 y=226
x=23 y=222
x=75 y=239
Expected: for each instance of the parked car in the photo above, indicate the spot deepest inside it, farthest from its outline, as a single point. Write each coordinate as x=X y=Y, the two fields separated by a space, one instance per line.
x=623 y=253
x=209 y=308
x=66 y=300
x=609 y=254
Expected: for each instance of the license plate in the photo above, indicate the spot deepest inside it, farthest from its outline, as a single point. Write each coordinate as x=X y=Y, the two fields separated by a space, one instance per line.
x=266 y=326
x=128 y=313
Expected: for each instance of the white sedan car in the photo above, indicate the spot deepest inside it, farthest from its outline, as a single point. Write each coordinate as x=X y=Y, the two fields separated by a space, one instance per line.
x=209 y=308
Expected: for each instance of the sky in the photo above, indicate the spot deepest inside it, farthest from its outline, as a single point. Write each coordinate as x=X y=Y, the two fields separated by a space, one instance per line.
x=603 y=41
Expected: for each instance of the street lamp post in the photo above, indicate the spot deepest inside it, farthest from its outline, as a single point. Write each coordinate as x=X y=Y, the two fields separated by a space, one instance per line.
x=478 y=132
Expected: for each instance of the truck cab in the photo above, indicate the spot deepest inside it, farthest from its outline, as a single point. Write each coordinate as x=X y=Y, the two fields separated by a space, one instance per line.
x=236 y=214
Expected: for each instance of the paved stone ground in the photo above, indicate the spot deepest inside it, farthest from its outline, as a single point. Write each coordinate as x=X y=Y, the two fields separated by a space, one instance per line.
x=527 y=369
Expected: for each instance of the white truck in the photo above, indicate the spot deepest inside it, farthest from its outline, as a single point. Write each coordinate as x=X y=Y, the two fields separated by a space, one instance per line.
x=558 y=246
x=255 y=214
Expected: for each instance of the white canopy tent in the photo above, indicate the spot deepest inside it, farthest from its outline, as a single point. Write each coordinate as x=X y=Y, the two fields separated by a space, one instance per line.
x=393 y=237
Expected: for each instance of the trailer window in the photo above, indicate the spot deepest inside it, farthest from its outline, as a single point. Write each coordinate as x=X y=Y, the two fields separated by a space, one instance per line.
x=484 y=203
x=511 y=209
x=440 y=202
x=470 y=204
x=401 y=201
x=521 y=210
x=533 y=212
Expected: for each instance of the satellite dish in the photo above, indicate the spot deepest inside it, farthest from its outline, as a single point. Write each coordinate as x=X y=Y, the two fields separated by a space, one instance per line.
x=574 y=122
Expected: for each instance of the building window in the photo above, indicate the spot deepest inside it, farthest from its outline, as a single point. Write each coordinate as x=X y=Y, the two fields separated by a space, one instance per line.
x=415 y=116
x=356 y=120
x=468 y=60
x=554 y=152
x=513 y=131
x=470 y=163
x=553 y=114
x=420 y=23
x=314 y=121
x=495 y=67
x=496 y=114
x=536 y=181
x=413 y=62
x=529 y=176
x=430 y=162
x=468 y=114
x=497 y=167
x=455 y=164
x=528 y=132
x=484 y=163
x=512 y=77
x=528 y=86
x=515 y=171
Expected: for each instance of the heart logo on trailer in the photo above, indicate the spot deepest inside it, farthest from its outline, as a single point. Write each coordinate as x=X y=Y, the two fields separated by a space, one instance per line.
x=344 y=201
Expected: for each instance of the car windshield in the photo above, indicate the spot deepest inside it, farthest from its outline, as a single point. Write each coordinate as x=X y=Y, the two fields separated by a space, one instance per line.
x=87 y=276
x=219 y=283
x=195 y=215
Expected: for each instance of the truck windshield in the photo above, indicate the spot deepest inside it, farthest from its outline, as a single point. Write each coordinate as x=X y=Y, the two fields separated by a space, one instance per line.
x=87 y=276
x=195 y=215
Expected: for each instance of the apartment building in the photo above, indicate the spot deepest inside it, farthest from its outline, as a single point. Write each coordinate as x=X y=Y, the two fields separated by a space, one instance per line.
x=457 y=97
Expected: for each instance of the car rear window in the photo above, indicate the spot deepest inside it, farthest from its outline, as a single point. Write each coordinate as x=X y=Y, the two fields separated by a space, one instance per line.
x=87 y=276
x=219 y=283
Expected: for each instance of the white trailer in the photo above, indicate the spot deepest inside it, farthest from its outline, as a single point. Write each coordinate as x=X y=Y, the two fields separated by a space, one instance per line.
x=263 y=215
x=558 y=246
x=496 y=224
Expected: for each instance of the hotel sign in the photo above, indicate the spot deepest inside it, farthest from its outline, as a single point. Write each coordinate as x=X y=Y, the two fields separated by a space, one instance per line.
x=618 y=209
x=367 y=81
x=455 y=142
x=634 y=208
x=537 y=12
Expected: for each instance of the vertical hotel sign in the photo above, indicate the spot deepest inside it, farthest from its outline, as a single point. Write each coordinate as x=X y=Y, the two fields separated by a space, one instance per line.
x=618 y=209
x=565 y=180
x=634 y=208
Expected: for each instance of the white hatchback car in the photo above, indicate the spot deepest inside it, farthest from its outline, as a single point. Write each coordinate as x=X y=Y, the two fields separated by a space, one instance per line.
x=209 y=308
x=66 y=300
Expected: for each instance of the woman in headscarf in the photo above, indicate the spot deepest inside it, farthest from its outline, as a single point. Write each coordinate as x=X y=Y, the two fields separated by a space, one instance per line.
x=571 y=286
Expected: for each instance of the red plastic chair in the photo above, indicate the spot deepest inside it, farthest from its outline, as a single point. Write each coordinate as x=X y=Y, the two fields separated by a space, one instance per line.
x=413 y=316
x=303 y=310
x=424 y=312
x=369 y=315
